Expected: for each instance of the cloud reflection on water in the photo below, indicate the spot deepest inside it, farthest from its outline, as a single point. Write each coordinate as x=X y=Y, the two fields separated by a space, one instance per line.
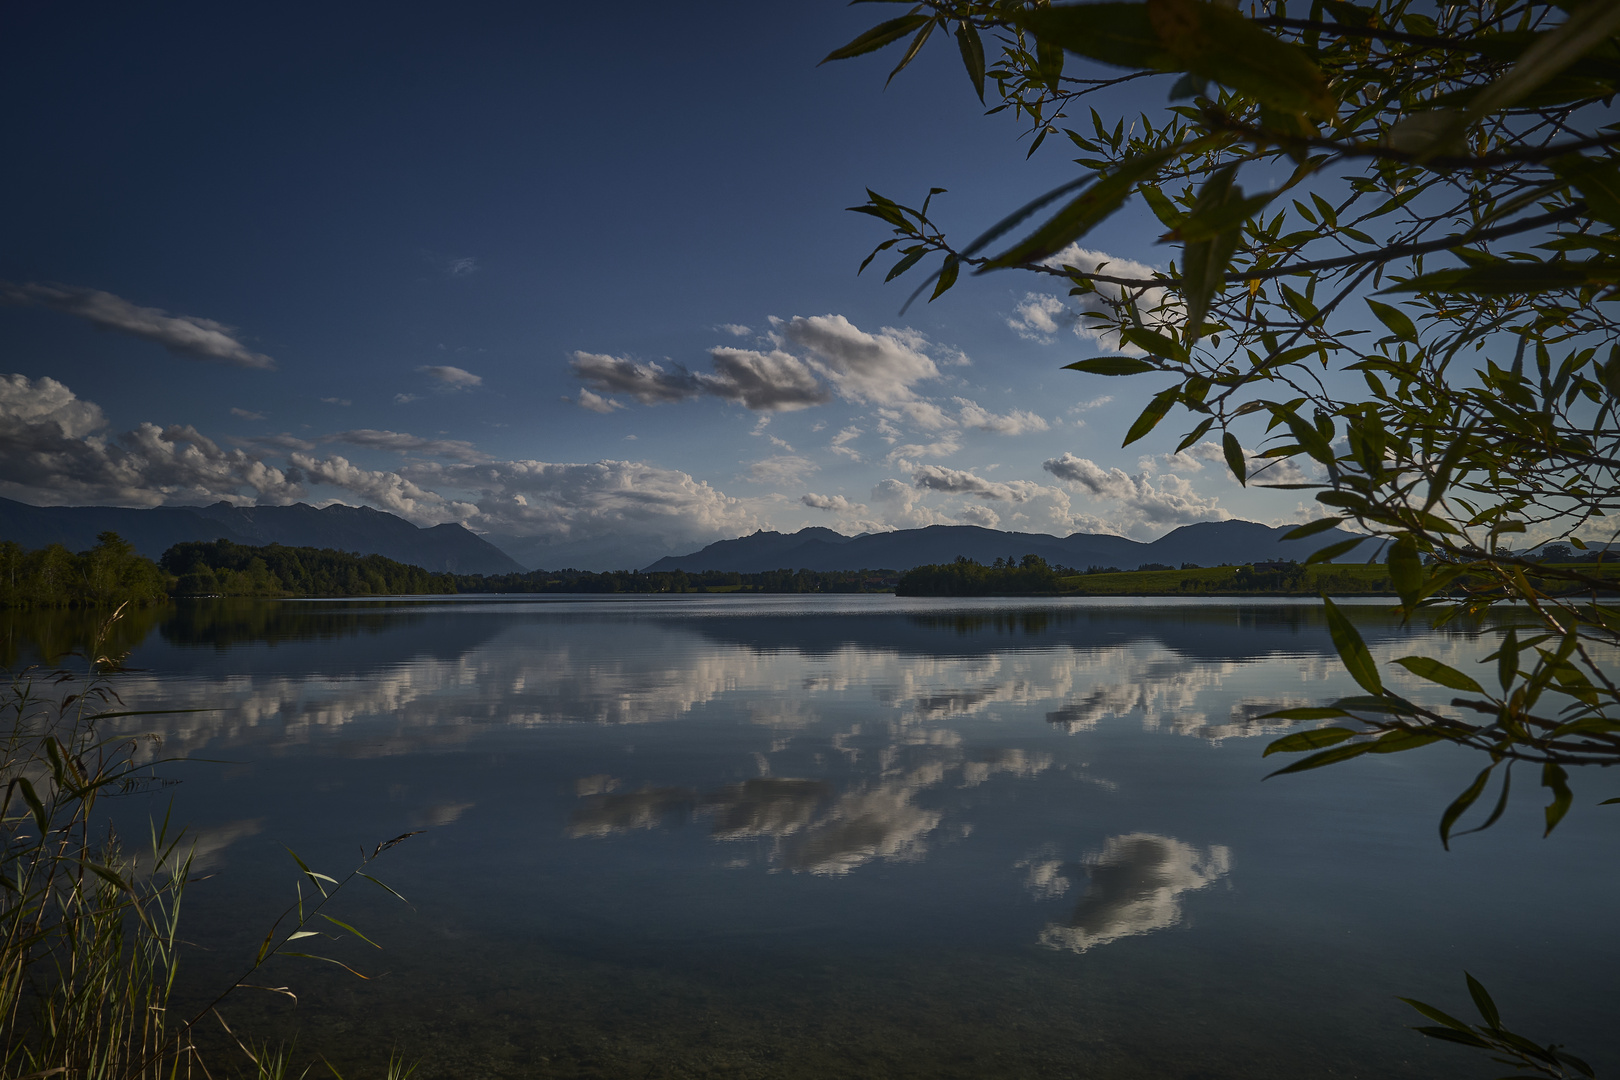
x=1134 y=886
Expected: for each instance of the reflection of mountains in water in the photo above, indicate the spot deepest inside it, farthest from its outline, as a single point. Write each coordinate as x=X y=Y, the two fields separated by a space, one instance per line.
x=1206 y=633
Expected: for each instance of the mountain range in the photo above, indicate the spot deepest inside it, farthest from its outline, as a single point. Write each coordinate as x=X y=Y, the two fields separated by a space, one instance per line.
x=441 y=548
x=1207 y=543
x=455 y=549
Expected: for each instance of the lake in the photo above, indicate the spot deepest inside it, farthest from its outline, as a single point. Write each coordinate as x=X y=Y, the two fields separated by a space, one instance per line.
x=849 y=836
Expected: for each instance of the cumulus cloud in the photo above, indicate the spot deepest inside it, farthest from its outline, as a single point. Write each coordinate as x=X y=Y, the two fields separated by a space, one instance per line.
x=903 y=507
x=781 y=470
x=184 y=335
x=1144 y=503
x=735 y=329
x=596 y=403
x=450 y=377
x=962 y=482
x=982 y=516
x=383 y=488
x=400 y=442
x=944 y=446
x=922 y=414
x=773 y=382
x=813 y=359
x=1040 y=316
x=246 y=414
x=852 y=517
x=562 y=503
x=840 y=443
x=1262 y=470
x=1016 y=422
x=54 y=451
x=834 y=503
x=878 y=369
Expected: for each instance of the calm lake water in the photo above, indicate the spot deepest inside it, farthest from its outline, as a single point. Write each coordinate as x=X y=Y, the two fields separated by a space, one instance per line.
x=857 y=836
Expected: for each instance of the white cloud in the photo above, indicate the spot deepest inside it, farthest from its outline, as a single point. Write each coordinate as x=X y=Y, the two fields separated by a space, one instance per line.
x=852 y=517
x=563 y=504
x=336 y=401
x=1016 y=422
x=1144 y=503
x=1039 y=316
x=1262 y=470
x=596 y=403
x=246 y=414
x=782 y=470
x=840 y=443
x=982 y=516
x=1094 y=403
x=406 y=399
x=835 y=503
x=944 y=446
x=463 y=267
x=879 y=368
x=774 y=381
x=400 y=442
x=903 y=506
x=922 y=414
x=385 y=489
x=184 y=335
x=53 y=451
x=450 y=377
x=735 y=329
x=961 y=482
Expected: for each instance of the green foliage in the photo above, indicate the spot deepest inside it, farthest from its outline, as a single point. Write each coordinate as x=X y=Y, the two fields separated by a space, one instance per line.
x=223 y=568
x=1505 y=1047
x=1029 y=576
x=1446 y=235
x=107 y=576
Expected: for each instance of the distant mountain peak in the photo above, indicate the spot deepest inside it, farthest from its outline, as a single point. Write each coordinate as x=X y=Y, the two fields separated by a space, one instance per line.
x=1207 y=543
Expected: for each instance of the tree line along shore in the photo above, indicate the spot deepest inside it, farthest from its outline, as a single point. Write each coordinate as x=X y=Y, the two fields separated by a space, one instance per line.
x=113 y=573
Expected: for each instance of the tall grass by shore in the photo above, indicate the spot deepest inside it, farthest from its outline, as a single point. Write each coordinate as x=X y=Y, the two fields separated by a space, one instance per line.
x=90 y=921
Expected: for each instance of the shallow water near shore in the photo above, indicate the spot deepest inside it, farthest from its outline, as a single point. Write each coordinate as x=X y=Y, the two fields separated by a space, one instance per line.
x=857 y=836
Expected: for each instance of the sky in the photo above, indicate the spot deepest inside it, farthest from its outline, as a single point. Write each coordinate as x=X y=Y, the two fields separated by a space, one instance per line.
x=580 y=277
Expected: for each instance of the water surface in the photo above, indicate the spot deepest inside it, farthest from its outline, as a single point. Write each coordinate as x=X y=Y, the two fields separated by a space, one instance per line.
x=854 y=836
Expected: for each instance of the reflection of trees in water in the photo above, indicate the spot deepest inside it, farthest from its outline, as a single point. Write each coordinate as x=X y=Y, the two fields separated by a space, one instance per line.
x=226 y=623
x=51 y=636
x=1134 y=886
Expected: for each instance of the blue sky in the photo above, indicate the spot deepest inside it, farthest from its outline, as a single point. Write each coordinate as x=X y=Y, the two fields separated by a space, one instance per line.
x=452 y=263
